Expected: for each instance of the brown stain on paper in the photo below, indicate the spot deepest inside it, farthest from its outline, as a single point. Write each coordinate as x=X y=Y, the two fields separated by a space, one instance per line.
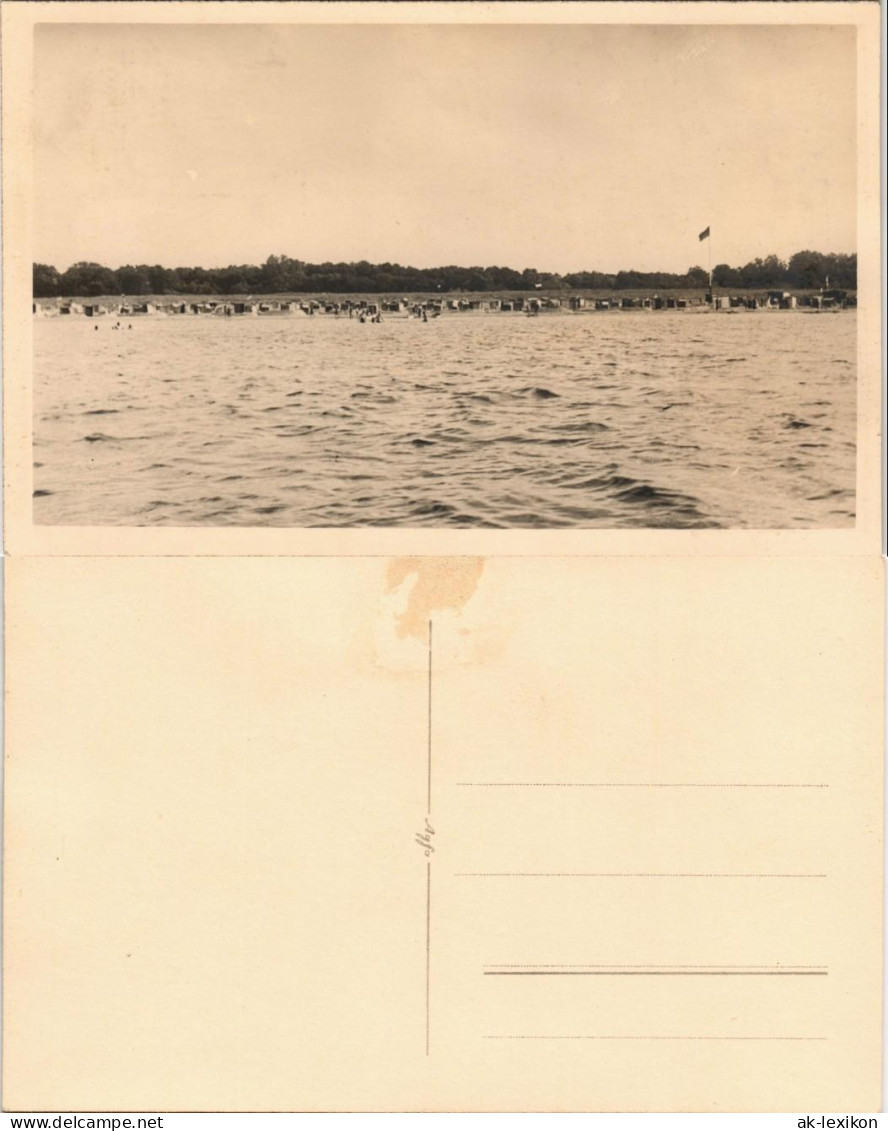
x=441 y=583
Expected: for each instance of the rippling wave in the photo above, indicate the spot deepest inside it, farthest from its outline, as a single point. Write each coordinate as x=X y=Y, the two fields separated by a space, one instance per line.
x=606 y=420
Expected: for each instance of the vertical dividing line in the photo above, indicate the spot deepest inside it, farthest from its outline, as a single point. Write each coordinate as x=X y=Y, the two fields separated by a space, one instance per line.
x=429 y=783
x=428 y=952
x=429 y=862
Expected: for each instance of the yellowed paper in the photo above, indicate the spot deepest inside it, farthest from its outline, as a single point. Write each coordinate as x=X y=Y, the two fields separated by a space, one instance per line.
x=550 y=835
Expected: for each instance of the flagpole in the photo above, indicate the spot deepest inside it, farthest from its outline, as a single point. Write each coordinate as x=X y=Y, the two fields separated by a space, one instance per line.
x=706 y=234
x=709 y=246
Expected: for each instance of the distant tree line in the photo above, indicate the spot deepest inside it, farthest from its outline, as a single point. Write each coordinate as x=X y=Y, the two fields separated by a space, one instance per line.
x=280 y=275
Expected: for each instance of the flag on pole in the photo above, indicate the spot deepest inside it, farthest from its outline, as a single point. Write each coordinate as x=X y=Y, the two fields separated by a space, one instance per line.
x=704 y=235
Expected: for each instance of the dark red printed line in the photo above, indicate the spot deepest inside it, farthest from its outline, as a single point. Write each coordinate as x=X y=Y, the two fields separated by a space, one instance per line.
x=640 y=785
x=608 y=1037
x=428 y=955
x=657 y=973
x=641 y=966
x=653 y=875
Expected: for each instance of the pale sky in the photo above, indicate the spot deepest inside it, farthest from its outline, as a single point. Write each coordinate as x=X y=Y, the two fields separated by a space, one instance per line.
x=557 y=147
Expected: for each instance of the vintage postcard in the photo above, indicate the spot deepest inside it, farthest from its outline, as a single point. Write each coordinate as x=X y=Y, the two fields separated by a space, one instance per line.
x=443 y=835
x=442 y=279
x=444 y=614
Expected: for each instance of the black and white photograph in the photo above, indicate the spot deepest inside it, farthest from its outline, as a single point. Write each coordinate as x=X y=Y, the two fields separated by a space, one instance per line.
x=502 y=276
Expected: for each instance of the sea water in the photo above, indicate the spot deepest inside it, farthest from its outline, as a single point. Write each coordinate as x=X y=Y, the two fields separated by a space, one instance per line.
x=620 y=419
